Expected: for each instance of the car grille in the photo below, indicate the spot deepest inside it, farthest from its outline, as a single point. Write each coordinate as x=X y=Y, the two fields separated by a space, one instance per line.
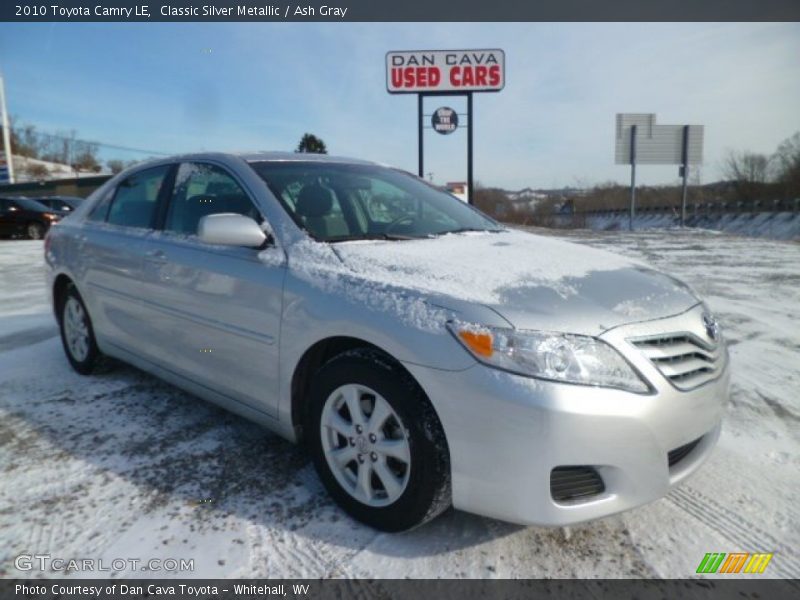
x=678 y=454
x=569 y=483
x=683 y=358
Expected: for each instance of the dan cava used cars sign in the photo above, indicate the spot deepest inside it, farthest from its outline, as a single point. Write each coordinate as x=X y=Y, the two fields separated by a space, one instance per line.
x=417 y=71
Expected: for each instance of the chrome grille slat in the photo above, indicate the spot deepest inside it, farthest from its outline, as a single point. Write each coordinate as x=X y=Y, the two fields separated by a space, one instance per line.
x=683 y=358
x=684 y=366
x=680 y=349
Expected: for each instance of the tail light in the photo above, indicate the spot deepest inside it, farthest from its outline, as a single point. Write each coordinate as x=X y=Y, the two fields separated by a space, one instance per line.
x=47 y=241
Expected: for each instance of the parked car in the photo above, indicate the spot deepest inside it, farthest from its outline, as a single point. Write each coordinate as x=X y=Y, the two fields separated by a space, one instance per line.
x=426 y=355
x=60 y=204
x=23 y=216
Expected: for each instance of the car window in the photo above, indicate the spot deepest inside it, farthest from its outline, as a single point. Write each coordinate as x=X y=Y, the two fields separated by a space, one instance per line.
x=135 y=200
x=99 y=211
x=202 y=189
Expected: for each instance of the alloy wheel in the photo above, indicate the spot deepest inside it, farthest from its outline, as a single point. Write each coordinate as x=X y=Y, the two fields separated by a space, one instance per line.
x=365 y=445
x=76 y=329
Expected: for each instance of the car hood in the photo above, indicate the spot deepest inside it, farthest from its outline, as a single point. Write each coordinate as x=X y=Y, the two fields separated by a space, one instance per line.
x=532 y=281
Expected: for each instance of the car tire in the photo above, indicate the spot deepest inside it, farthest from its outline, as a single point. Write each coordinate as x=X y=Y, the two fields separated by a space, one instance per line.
x=34 y=231
x=77 y=333
x=393 y=473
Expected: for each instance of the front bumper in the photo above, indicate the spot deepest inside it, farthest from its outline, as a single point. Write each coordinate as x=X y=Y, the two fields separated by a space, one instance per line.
x=506 y=433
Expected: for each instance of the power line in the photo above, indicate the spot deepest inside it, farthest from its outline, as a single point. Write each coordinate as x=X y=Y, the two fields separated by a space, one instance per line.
x=103 y=145
x=74 y=140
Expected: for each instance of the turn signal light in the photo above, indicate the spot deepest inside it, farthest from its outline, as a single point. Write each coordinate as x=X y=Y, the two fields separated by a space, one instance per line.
x=479 y=342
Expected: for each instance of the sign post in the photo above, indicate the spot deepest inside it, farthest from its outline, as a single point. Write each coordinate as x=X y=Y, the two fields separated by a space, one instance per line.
x=684 y=171
x=445 y=73
x=633 y=178
x=470 y=181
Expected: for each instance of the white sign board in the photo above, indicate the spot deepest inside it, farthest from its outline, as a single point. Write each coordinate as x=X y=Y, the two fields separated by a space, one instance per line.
x=655 y=144
x=416 y=71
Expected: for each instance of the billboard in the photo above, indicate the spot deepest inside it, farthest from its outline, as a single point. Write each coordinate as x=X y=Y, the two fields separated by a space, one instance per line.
x=655 y=144
x=415 y=71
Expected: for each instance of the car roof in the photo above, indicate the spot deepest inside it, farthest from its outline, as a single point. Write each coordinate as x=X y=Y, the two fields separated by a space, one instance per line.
x=260 y=156
x=299 y=157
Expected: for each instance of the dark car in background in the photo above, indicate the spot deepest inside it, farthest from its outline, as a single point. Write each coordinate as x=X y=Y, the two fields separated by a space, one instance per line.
x=24 y=216
x=60 y=204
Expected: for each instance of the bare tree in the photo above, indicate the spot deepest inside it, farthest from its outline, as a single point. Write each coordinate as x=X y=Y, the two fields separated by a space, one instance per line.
x=25 y=140
x=748 y=172
x=786 y=165
x=747 y=167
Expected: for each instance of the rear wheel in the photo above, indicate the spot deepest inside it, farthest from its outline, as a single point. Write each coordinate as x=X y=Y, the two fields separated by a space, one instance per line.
x=35 y=231
x=77 y=335
x=377 y=443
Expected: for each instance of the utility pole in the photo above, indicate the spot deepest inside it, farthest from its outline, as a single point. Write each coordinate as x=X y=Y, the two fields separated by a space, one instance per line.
x=6 y=153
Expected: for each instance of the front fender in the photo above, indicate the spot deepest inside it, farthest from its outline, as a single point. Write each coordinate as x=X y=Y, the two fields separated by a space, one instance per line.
x=407 y=325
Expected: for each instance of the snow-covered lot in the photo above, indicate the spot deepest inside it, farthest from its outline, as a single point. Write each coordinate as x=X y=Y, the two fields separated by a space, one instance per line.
x=121 y=465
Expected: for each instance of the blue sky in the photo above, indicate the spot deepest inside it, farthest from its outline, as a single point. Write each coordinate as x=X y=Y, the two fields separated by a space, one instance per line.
x=191 y=86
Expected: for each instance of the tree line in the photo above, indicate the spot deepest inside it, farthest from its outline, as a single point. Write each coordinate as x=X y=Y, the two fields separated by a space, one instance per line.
x=748 y=177
x=83 y=156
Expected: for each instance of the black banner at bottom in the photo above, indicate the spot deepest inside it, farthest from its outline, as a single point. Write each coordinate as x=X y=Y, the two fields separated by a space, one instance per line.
x=440 y=589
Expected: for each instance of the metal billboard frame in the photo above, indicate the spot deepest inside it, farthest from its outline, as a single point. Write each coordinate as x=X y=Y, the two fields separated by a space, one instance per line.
x=661 y=145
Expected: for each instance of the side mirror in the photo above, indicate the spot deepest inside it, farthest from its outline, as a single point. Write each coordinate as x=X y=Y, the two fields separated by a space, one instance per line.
x=230 y=229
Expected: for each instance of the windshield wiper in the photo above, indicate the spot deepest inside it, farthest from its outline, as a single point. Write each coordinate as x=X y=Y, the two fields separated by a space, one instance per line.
x=465 y=230
x=369 y=236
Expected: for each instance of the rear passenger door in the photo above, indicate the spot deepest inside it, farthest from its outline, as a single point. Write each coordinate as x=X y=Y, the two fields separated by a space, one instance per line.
x=213 y=312
x=111 y=245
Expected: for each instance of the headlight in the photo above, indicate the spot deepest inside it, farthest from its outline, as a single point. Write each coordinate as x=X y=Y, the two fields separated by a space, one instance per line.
x=555 y=356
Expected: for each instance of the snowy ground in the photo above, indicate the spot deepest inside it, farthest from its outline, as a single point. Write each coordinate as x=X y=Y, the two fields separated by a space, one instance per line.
x=123 y=466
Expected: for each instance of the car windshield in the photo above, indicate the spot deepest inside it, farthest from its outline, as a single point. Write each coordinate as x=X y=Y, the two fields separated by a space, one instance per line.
x=337 y=202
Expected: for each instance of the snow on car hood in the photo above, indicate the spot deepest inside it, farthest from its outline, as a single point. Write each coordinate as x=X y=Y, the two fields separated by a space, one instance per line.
x=534 y=282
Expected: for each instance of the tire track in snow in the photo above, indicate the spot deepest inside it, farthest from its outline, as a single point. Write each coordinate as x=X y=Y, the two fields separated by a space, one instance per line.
x=737 y=528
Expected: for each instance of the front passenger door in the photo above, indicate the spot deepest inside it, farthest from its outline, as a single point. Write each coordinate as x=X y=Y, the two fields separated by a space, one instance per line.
x=213 y=311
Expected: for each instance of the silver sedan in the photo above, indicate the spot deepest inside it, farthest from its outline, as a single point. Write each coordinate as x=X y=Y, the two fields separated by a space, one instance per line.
x=427 y=356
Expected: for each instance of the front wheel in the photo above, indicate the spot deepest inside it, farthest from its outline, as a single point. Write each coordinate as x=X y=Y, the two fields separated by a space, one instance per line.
x=377 y=443
x=77 y=335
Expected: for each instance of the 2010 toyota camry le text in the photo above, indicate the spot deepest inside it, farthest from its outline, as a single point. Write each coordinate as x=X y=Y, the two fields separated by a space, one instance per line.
x=426 y=355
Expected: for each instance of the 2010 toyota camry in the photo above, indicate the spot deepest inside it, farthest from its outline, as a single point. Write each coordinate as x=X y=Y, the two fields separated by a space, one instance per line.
x=426 y=355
